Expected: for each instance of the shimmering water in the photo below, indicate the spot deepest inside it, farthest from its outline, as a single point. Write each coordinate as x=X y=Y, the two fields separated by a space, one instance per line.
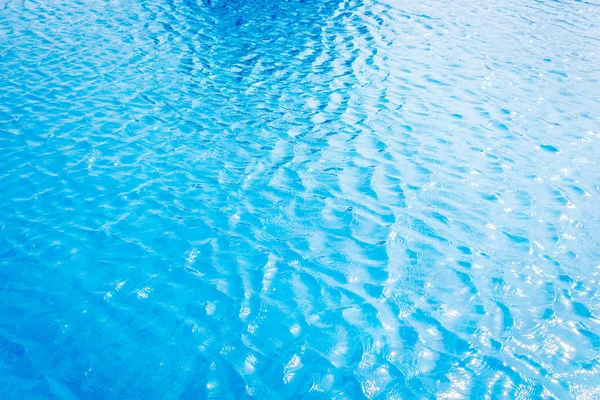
x=280 y=199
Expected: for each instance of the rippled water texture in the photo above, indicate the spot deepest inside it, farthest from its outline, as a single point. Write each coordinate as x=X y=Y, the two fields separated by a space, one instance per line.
x=280 y=199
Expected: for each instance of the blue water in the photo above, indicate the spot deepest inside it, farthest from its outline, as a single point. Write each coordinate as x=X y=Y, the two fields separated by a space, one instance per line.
x=321 y=199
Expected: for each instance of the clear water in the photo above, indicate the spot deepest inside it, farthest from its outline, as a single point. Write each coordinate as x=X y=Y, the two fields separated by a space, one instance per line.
x=299 y=199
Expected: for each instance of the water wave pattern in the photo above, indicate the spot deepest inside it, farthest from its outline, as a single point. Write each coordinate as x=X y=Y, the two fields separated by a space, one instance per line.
x=323 y=199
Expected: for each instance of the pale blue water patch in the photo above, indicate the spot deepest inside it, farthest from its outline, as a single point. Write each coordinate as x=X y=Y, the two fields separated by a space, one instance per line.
x=299 y=199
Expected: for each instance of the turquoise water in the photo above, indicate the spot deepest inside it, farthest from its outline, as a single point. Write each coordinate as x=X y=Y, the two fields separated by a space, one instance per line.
x=299 y=199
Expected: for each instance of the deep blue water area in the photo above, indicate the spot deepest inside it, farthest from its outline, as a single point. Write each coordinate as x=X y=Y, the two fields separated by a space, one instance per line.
x=320 y=199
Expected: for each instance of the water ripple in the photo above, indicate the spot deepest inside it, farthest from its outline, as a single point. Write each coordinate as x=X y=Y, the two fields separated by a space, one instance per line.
x=330 y=199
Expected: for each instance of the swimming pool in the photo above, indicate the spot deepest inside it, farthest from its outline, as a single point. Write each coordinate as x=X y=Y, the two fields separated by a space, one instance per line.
x=299 y=199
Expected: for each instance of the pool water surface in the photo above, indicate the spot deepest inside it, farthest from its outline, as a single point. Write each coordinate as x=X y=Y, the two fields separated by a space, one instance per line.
x=328 y=199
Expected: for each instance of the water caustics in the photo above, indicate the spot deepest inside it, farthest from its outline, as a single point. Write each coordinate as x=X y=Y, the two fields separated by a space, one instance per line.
x=376 y=199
